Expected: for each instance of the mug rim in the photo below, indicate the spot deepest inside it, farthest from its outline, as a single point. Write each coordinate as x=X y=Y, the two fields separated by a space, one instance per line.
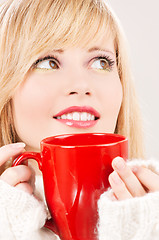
x=46 y=141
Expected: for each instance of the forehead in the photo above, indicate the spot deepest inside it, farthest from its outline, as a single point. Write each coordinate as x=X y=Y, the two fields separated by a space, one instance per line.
x=100 y=41
x=104 y=42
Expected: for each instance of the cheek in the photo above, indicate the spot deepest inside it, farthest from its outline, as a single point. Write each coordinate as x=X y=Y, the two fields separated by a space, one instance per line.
x=33 y=98
x=32 y=106
x=113 y=97
x=116 y=98
x=29 y=104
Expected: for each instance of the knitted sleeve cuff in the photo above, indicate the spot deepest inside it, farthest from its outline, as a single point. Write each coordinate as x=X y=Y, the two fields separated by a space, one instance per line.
x=136 y=218
x=20 y=213
x=132 y=219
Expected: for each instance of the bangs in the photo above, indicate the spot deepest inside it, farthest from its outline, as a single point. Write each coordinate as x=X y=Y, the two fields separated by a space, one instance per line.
x=32 y=28
x=63 y=24
x=75 y=25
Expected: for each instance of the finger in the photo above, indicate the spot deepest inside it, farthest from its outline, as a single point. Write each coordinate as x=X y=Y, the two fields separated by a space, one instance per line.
x=113 y=197
x=131 y=181
x=15 y=175
x=33 y=178
x=25 y=187
x=10 y=150
x=148 y=178
x=118 y=186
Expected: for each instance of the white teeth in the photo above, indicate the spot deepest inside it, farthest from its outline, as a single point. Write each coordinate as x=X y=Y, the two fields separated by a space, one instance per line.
x=92 y=117
x=84 y=116
x=64 y=116
x=78 y=116
x=89 y=116
x=69 y=116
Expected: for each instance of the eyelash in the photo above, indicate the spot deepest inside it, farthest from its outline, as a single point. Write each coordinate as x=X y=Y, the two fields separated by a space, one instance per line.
x=110 y=61
x=100 y=57
x=45 y=58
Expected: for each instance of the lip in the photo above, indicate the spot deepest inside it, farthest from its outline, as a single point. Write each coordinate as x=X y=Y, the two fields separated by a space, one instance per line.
x=79 y=109
x=78 y=124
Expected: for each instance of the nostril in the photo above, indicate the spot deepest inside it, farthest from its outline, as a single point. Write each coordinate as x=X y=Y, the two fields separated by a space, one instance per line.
x=86 y=93
x=71 y=93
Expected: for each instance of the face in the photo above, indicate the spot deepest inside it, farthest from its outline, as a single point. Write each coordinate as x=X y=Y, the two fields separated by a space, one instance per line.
x=75 y=90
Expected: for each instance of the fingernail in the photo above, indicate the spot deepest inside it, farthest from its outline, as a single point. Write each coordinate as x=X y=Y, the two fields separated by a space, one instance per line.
x=134 y=169
x=116 y=178
x=119 y=163
x=18 y=145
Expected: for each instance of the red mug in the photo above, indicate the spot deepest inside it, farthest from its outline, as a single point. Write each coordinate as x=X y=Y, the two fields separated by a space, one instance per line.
x=75 y=169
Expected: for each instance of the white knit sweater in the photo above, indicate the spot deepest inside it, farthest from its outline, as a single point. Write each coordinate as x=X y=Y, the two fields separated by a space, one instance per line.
x=22 y=216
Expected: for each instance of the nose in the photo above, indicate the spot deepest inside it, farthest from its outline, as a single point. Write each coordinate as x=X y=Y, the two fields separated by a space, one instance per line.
x=80 y=89
x=79 y=84
x=79 y=92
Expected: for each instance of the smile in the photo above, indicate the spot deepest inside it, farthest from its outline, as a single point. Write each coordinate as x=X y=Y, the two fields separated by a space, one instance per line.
x=79 y=117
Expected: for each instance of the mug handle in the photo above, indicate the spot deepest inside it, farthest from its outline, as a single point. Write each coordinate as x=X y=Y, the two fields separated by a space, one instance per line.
x=37 y=157
x=28 y=155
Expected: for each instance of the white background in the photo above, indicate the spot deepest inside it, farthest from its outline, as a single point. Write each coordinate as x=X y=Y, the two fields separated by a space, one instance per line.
x=140 y=21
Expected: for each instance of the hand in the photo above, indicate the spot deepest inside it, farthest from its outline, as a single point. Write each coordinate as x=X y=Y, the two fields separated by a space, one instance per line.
x=128 y=182
x=15 y=176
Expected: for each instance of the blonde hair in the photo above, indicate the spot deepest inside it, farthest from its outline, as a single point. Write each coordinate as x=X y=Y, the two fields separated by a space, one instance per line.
x=30 y=28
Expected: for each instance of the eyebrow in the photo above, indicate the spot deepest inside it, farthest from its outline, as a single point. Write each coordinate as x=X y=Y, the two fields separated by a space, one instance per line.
x=93 y=49
x=58 y=50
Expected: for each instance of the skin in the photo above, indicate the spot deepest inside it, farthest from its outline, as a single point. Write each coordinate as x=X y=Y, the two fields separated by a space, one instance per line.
x=79 y=80
x=123 y=179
